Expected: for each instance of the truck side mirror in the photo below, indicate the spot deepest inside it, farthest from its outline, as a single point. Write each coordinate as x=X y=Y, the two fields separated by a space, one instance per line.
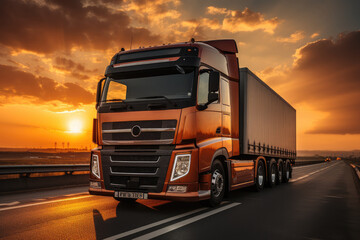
x=99 y=92
x=214 y=78
x=212 y=97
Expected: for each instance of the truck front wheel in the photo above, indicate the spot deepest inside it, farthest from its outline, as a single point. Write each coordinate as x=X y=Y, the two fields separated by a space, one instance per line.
x=217 y=183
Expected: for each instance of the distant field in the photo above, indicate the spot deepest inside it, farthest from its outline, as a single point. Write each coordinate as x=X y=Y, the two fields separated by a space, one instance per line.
x=32 y=158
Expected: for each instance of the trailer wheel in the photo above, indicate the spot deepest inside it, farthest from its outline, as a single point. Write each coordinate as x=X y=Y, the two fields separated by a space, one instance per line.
x=280 y=172
x=260 y=176
x=287 y=171
x=272 y=174
x=217 y=183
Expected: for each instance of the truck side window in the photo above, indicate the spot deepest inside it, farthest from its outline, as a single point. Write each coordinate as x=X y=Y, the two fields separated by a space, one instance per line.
x=203 y=88
x=116 y=90
x=225 y=95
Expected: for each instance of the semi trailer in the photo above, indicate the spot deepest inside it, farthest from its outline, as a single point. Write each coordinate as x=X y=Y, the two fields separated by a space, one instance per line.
x=183 y=122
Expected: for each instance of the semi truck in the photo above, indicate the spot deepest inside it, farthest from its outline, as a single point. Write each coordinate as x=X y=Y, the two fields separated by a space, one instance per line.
x=183 y=122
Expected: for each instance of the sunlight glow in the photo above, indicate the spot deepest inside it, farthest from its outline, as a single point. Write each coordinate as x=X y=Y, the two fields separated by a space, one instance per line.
x=75 y=126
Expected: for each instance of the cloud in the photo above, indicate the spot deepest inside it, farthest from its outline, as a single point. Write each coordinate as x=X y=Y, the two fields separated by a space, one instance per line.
x=147 y=11
x=326 y=74
x=293 y=38
x=244 y=21
x=14 y=82
x=214 y=10
x=60 y=25
x=76 y=70
x=314 y=35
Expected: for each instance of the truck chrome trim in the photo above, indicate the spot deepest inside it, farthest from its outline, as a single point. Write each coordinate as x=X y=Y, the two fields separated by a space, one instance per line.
x=128 y=130
x=140 y=142
x=117 y=131
x=214 y=140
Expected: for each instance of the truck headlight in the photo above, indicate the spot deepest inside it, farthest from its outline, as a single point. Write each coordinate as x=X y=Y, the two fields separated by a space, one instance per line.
x=95 y=170
x=181 y=166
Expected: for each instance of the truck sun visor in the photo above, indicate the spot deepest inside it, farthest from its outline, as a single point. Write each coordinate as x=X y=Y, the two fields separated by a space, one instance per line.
x=142 y=62
x=148 y=54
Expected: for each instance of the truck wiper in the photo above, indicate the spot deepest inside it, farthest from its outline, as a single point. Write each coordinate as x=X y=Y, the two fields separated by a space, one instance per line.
x=180 y=69
x=167 y=99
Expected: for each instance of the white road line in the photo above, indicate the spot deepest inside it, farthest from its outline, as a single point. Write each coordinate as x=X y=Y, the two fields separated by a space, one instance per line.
x=312 y=173
x=41 y=203
x=124 y=234
x=185 y=222
x=73 y=194
x=9 y=204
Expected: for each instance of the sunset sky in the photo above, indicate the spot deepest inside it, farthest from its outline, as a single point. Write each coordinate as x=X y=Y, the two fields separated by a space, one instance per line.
x=53 y=52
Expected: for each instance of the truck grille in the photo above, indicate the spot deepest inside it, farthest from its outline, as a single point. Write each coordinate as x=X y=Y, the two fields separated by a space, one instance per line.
x=139 y=132
x=143 y=169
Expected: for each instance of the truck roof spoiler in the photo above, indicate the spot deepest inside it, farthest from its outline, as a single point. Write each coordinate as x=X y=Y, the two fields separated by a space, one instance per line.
x=223 y=45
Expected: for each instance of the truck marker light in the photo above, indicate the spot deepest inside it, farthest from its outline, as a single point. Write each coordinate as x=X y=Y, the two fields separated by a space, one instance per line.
x=181 y=166
x=143 y=62
x=177 y=188
x=95 y=170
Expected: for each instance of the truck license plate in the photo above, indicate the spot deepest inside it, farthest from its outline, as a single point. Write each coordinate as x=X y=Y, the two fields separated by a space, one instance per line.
x=138 y=195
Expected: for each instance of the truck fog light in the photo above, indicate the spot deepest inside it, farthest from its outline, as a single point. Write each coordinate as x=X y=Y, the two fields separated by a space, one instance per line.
x=177 y=188
x=95 y=170
x=95 y=184
x=181 y=166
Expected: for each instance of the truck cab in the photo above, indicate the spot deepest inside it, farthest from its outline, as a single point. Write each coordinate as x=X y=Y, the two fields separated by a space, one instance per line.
x=167 y=125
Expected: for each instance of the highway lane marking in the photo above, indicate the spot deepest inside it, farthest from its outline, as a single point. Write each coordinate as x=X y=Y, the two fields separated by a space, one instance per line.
x=185 y=222
x=10 y=203
x=73 y=194
x=41 y=203
x=312 y=173
x=124 y=234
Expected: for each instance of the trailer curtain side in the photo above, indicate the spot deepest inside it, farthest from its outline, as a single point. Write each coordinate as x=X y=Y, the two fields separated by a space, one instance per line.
x=267 y=121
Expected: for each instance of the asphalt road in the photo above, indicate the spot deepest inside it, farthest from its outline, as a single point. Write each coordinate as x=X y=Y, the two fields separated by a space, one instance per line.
x=322 y=201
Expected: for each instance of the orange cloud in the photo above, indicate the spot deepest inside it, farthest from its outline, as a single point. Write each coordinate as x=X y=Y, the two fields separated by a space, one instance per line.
x=244 y=21
x=293 y=38
x=326 y=74
x=62 y=25
x=314 y=35
x=14 y=82
x=74 y=69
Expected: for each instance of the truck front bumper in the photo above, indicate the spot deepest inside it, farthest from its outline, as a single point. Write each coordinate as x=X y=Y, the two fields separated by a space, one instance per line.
x=183 y=197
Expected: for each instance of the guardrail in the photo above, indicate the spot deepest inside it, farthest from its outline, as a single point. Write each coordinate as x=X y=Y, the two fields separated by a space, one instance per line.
x=300 y=162
x=26 y=170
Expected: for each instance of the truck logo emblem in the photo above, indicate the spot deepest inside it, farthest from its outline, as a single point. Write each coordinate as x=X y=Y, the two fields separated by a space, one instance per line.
x=135 y=131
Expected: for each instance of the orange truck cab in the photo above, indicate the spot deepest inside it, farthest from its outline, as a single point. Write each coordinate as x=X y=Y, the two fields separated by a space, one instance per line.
x=183 y=122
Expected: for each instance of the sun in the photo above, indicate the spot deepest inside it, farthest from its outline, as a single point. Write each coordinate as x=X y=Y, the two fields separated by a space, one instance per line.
x=75 y=126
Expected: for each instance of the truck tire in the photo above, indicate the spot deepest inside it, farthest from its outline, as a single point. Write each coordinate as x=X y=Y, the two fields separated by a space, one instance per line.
x=280 y=172
x=287 y=171
x=260 y=176
x=272 y=173
x=217 y=183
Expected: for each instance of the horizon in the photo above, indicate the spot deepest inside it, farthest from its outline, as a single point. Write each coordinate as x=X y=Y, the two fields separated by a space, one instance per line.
x=50 y=66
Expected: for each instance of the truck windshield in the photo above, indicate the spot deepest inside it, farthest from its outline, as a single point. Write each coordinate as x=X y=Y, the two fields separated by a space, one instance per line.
x=169 y=86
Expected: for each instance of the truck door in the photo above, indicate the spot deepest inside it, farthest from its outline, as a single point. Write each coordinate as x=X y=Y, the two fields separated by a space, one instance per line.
x=208 y=124
x=225 y=114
